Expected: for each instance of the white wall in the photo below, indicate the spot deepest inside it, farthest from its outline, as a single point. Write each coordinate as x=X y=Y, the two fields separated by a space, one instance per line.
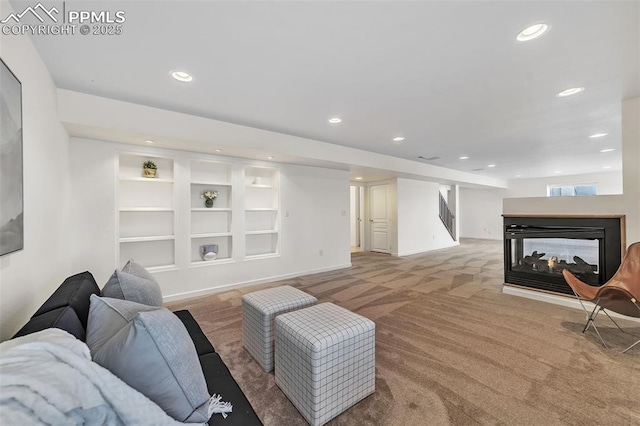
x=481 y=209
x=353 y=216
x=109 y=119
x=480 y=213
x=28 y=277
x=316 y=200
x=609 y=183
x=419 y=227
x=631 y=166
x=627 y=204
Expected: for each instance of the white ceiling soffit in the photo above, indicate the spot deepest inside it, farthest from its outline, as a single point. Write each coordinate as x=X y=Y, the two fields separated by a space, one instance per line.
x=450 y=77
x=95 y=117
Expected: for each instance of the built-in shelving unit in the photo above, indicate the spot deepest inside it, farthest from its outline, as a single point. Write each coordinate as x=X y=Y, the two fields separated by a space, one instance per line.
x=262 y=203
x=211 y=225
x=146 y=217
x=163 y=222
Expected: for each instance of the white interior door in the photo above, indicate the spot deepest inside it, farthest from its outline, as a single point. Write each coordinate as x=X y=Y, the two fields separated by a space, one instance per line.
x=379 y=218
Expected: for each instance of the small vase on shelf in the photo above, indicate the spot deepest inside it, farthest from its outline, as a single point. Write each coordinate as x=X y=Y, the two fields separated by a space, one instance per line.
x=150 y=173
x=209 y=196
x=150 y=169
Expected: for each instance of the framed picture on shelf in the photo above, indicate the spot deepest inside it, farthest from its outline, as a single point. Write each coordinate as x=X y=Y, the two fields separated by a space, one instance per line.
x=11 y=175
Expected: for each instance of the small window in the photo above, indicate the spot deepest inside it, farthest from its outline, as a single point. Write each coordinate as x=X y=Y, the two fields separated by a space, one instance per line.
x=572 y=190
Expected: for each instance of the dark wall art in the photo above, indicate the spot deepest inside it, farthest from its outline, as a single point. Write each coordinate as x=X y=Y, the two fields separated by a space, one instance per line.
x=11 y=177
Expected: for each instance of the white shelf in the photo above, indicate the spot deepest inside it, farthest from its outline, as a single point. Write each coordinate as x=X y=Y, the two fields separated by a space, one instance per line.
x=262 y=256
x=146 y=220
x=262 y=204
x=143 y=239
x=144 y=179
x=267 y=231
x=200 y=263
x=211 y=225
x=211 y=235
x=146 y=209
x=162 y=268
x=210 y=183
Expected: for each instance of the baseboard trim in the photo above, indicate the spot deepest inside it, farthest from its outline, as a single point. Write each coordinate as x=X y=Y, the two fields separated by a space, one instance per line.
x=233 y=286
x=557 y=300
x=411 y=253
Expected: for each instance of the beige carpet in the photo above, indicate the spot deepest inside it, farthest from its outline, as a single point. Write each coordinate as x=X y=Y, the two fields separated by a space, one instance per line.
x=451 y=349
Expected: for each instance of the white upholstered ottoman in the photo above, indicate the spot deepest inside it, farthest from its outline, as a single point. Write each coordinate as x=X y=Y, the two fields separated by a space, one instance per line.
x=258 y=312
x=325 y=360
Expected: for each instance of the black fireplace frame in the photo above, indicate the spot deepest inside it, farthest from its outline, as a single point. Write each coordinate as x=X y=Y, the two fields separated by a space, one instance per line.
x=608 y=229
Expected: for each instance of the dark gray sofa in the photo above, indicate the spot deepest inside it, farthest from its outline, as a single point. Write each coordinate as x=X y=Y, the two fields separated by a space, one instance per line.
x=68 y=309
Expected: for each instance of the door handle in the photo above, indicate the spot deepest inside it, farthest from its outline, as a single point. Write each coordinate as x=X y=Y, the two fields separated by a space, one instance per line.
x=371 y=220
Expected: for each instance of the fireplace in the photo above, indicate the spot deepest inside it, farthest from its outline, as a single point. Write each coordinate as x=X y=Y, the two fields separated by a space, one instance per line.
x=537 y=250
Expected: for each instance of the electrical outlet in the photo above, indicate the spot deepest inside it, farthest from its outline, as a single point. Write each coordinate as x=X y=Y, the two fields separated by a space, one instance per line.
x=343 y=212
x=286 y=213
x=321 y=253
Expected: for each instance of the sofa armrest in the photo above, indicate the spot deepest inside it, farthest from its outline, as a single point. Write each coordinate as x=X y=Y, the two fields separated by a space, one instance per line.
x=64 y=318
x=75 y=292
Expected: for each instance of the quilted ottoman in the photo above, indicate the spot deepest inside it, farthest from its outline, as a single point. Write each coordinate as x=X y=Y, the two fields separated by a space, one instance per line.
x=325 y=360
x=258 y=312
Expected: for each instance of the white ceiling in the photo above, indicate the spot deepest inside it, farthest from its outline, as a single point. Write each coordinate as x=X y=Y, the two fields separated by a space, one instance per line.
x=449 y=76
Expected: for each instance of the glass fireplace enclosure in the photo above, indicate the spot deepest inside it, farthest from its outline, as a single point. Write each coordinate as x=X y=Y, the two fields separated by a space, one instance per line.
x=538 y=249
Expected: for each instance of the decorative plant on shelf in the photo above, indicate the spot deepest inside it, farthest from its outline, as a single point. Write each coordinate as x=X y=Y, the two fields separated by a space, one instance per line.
x=150 y=169
x=209 y=196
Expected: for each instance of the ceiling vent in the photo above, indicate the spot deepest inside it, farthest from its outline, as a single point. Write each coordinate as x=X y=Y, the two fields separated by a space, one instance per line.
x=477 y=170
x=429 y=159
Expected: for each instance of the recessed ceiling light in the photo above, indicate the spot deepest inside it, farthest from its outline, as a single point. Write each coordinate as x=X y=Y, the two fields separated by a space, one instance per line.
x=598 y=135
x=182 y=76
x=335 y=120
x=491 y=165
x=607 y=150
x=532 y=32
x=570 y=91
x=398 y=139
x=606 y=167
x=464 y=157
x=218 y=150
x=270 y=157
x=149 y=141
x=518 y=175
x=558 y=171
x=358 y=177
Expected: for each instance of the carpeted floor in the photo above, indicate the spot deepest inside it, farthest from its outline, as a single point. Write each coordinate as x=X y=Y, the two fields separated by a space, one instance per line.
x=451 y=349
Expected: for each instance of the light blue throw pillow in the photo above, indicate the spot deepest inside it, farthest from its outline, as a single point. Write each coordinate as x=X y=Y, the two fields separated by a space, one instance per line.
x=134 y=268
x=107 y=316
x=123 y=285
x=155 y=355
